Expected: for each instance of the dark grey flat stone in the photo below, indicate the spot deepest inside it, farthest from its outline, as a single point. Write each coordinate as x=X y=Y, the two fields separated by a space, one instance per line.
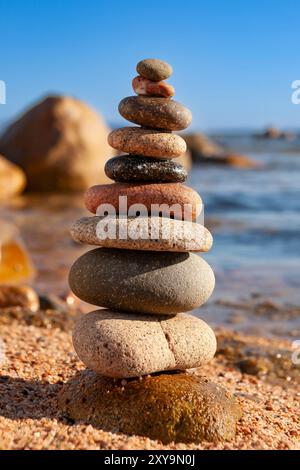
x=134 y=168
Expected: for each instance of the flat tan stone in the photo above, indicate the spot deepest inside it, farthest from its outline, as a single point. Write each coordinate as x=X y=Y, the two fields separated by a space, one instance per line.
x=142 y=233
x=147 y=142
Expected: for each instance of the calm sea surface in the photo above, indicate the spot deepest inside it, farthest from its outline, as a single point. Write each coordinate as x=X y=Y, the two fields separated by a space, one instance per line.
x=254 y=216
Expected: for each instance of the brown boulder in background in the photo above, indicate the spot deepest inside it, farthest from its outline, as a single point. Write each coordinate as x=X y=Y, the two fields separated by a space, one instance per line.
x=204 y=150
x=12 y=179
x=61 y=143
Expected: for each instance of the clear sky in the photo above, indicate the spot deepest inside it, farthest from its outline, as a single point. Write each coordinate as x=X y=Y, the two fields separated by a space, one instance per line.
x=234 y=60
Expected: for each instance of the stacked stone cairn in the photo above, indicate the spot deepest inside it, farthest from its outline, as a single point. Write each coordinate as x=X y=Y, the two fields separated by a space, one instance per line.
x=138 y=348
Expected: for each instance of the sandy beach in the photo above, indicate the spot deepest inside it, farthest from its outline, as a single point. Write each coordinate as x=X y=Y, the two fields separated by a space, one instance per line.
x=39 y=358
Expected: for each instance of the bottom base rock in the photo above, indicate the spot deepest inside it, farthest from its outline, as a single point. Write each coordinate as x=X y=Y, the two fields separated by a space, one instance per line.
x=168 y=407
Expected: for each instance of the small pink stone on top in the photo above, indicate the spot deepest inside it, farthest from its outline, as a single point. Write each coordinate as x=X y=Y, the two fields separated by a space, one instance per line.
x=143 y=86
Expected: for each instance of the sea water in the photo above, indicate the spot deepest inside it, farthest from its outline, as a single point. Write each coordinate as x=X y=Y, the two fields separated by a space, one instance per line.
x=254 y=216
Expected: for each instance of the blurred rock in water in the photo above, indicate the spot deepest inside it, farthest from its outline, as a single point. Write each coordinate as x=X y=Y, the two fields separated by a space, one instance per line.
x=15 y=264
x=60 y=143
x=204 y=150
x=12 y=179
x=275 y=133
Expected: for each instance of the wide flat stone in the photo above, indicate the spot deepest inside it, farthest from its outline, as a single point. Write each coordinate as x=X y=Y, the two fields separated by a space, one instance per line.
x=167 y=407
x=142 y=281
x=123 y=345
x=138 y=169
x=156 y=113
x=175 y=199
x=142 y=233
x=147 y=142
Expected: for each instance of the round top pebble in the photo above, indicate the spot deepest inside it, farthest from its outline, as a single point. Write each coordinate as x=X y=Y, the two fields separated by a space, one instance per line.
x=154 y=69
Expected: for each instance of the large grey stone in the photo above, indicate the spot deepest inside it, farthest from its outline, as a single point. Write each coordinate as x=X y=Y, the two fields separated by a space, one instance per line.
x=142 y=281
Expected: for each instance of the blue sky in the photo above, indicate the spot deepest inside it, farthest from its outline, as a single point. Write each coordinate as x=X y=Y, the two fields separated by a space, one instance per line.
x=234 y=60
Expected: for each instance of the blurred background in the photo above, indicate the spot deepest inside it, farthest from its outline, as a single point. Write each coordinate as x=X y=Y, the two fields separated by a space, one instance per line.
x=64 y=68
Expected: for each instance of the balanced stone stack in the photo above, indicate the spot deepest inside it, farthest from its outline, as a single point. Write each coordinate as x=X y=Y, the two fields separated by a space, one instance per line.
x=139 y=347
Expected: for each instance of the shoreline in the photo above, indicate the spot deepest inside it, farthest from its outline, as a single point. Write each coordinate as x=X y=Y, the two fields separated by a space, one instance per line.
x=249 y=297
